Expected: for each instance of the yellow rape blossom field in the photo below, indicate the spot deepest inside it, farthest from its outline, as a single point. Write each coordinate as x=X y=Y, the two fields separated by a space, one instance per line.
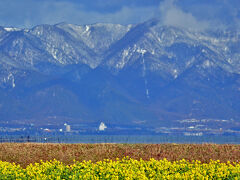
x=119 y=161
x=125 y=168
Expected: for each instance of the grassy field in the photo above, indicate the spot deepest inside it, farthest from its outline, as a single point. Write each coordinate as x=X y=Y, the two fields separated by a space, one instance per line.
x=26 y=153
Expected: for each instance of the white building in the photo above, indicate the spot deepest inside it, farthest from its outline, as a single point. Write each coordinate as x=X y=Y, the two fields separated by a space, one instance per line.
x=102 y=126
x=68 y=128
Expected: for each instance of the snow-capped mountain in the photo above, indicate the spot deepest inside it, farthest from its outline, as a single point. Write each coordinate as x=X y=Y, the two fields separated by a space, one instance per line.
x=145 y=73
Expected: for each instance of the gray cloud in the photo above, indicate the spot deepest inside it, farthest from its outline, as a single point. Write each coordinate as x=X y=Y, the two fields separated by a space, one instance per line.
x=218 y=13
x=201 y=15
x=192 y=14
x=76 y=14
x=27 y=13
x=173 y=15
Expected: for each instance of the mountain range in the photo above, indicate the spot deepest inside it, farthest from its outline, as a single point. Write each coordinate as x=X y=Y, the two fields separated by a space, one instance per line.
x=143 y=74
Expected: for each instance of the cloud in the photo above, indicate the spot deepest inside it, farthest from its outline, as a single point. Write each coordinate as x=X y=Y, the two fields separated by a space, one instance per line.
x=218 y=14
x=71 y=13
x=172 y=15
x=28 y=13
x=194 y=14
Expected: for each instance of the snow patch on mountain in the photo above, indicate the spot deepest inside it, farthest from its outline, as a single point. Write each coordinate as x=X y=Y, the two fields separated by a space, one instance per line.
x=10 y=29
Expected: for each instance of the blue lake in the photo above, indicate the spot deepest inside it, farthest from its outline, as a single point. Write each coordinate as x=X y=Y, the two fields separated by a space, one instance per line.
x=148 y=139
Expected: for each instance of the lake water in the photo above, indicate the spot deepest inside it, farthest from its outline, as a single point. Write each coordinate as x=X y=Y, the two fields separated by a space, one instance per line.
x=148 y=139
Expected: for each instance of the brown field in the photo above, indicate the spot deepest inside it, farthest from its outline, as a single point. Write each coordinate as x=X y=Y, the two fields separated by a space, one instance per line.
x=26 y=153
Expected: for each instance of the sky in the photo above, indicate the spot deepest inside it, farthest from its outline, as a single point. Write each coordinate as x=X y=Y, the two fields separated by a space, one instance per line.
x=196 y=14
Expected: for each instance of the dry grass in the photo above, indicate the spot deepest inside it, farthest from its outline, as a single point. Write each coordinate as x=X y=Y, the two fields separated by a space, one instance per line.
x=26 y=153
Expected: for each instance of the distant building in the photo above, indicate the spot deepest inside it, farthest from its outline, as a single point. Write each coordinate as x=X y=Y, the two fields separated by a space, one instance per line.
x=102 y=127
x=68 y=128
x=47 y=130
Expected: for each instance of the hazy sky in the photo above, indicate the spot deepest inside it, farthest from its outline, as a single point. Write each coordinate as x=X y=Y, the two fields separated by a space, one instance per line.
x=198 y=14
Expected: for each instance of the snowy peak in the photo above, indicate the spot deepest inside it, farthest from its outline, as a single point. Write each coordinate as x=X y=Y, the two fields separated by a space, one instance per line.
x=96 y=36
x=62 y=47
x=9 y=29
x=175 y=48
x=118 y=47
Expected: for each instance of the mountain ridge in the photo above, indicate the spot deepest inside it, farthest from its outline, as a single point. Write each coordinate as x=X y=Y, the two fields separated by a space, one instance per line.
x=120 y=74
